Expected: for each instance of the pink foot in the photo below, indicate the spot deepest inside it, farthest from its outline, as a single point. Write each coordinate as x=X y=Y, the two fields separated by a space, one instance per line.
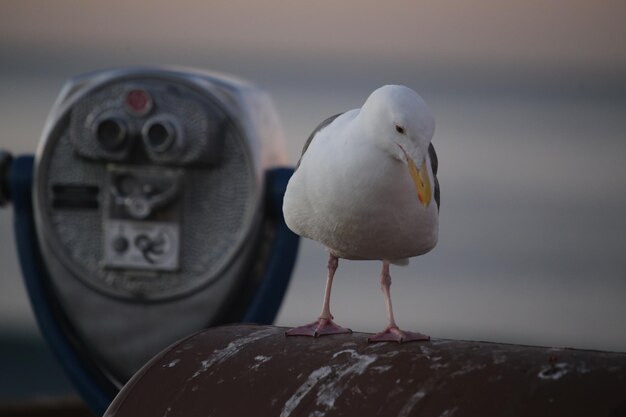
x=318 y=328
x=394 y=334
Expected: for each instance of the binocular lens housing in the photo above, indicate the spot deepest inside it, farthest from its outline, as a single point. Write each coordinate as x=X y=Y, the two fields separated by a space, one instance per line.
x=111 y=133
x=159 y=135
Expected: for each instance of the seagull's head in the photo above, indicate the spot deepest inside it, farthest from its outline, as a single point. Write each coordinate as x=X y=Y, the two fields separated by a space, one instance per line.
x=401 y=124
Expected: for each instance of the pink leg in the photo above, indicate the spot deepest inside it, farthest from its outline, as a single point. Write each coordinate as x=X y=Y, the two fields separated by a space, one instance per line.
x=392 y=333
x=324 y=324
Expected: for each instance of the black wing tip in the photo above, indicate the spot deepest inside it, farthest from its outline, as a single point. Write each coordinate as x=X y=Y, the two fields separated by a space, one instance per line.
x=434 y=160
x=434 y=163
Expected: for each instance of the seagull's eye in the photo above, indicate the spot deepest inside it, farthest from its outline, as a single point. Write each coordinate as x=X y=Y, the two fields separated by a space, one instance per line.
x=400 y=129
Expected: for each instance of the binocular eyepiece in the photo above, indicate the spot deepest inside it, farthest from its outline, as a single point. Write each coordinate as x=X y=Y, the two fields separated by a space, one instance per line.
x=114 y=132
x=111 y=133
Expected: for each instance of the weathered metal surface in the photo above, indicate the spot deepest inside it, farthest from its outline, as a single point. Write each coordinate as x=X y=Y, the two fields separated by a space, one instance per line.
x=249 y=370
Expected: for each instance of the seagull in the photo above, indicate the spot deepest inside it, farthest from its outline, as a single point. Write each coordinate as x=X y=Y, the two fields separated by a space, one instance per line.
x=366 y=188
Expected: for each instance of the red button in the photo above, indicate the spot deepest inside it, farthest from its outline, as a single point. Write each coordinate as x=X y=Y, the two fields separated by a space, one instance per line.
x=139 y=101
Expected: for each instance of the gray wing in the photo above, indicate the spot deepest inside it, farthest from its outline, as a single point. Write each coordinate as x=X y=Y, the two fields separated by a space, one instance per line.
x=317 y=129
x=434 y=162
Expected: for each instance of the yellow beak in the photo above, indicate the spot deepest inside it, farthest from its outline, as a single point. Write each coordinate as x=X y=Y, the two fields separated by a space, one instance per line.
x=422 y=181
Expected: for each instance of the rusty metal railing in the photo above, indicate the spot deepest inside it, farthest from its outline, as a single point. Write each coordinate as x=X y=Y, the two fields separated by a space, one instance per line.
x=249 y=370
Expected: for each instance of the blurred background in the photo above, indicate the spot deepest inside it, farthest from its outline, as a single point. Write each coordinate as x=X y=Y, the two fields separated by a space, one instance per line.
x=530 y=103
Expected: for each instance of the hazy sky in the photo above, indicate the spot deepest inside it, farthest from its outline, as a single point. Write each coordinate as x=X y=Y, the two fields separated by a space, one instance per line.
x=561 y=33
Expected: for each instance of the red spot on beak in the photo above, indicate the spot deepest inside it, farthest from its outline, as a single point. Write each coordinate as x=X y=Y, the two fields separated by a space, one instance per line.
x=419 y=195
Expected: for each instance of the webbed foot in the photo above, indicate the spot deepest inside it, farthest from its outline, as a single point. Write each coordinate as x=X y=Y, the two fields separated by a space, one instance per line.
x=320 y=327
x=394 y=334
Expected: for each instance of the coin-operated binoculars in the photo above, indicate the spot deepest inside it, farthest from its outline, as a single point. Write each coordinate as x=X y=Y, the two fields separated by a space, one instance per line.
x=151 y=210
